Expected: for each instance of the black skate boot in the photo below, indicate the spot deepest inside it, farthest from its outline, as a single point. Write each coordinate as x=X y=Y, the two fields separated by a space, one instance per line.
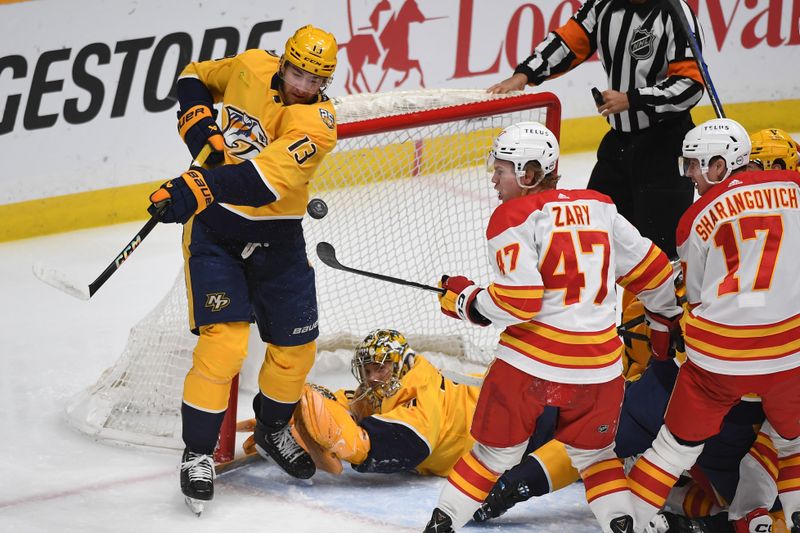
x=279 y=444
x=622 y=524
x=440 y=522
x=795 y=522
x=667 y=522
x=197 y=479
x=503 y=496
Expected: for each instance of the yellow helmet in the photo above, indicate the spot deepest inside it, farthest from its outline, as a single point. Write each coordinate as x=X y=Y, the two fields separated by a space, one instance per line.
x=382 y=346
x=774 y=145
x=313 y=50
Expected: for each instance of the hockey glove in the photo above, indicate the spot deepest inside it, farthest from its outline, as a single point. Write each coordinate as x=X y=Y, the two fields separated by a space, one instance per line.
x=198 y=128
x=330 y=424
x=180 y=198
x=665 y=334
x=459 y=299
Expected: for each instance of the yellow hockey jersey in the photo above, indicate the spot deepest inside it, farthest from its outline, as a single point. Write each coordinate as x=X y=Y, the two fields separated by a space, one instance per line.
x=284 y=143
x=436 y=408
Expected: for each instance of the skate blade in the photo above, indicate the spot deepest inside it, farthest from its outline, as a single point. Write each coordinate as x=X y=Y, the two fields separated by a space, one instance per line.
x=195 y=506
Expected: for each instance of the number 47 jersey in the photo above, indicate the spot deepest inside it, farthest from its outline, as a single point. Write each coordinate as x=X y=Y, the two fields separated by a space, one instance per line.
x=739 y=246
x=557 y=257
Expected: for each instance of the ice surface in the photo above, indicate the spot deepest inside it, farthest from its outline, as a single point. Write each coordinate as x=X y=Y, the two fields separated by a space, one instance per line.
x=53 y=478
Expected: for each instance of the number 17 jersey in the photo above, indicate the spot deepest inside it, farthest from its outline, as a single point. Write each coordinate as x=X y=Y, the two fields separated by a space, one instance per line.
x=739 y=246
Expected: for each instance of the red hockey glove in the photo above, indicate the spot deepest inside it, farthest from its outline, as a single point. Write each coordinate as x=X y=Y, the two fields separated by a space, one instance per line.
x=459 y=298
x=665 y=334
x=180 y=198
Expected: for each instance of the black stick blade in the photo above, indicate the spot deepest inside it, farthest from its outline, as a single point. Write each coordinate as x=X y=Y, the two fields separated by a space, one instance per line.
x=327 y=253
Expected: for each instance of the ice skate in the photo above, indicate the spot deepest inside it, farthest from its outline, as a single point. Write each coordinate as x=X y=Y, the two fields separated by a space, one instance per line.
x=197 y=480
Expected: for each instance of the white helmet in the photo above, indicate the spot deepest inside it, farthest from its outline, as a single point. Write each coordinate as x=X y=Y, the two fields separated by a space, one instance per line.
x=721 y=137
x=523 y=142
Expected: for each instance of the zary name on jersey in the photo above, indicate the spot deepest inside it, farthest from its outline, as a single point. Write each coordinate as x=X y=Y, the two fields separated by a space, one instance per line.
x=732 y=205
x=571 y=215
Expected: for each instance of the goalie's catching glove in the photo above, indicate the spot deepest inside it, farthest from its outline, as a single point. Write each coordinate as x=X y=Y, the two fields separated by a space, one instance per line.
x=197 y=128
x=180 y=198
x=459 y=299
x=665 y=335
x=332 y=426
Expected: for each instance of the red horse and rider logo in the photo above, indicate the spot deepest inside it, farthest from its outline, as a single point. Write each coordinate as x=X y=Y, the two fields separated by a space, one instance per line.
x=382 y=42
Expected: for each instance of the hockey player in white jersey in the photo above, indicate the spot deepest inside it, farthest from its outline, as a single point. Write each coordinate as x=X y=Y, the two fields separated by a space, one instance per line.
x=739 y=246
x=557 y=255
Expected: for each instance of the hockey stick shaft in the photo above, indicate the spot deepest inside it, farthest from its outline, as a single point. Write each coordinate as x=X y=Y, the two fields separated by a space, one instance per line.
x=123 y=255
x=327 y=253
x=58 y=280
x=698 y=57
x=139 y=237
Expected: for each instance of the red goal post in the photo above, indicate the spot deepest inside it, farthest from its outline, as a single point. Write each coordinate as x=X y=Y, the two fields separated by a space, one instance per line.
x=408 y=196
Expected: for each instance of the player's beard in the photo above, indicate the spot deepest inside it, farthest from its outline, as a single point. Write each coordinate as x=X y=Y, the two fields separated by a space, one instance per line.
x=292 y=95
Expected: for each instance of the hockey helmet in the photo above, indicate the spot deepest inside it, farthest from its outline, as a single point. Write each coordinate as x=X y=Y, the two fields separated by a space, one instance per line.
x=719 y=137
x=771 y=146
x=523 y=142
x=383 y=347
x=313 y=50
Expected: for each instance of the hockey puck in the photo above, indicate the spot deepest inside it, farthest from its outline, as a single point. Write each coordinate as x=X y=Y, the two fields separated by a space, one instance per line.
x=317 y=208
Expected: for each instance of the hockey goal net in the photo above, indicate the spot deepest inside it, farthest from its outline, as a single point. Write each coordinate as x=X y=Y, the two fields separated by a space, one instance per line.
x=409 y=196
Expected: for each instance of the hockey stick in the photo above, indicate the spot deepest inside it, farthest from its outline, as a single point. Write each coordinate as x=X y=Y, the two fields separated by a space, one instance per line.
x=327 y=253
x=698 y=57
x=60 y=281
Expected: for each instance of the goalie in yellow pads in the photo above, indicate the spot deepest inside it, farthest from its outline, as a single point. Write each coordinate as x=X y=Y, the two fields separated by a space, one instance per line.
x=404 y=415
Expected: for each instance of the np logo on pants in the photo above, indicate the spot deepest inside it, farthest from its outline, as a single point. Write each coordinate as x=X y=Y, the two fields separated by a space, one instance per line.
x=217 y=301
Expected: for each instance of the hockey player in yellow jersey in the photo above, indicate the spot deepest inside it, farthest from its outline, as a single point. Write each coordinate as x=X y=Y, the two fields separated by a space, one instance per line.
x=774 y=149
x=405 y=414
x=243 y=240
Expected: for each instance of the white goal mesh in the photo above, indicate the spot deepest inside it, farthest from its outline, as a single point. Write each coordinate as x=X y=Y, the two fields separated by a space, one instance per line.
x=408 y=196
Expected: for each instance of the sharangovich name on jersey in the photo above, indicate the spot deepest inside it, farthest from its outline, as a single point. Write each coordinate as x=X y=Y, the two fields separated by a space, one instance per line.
x=78 y=82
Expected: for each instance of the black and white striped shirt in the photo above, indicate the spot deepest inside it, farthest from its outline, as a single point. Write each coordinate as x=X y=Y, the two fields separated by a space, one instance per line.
x=643 y=51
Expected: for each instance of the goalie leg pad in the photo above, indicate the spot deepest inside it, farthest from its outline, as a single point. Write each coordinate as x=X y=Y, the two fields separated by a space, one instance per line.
x=284 y=371
x=330 y=424
x=217 y=358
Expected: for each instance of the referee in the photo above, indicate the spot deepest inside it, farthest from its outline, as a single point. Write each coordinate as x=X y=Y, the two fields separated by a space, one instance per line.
x=653 y=83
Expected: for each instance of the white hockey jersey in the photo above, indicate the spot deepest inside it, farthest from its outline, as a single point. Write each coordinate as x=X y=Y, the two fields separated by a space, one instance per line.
x=556 y=256
x=739 y=246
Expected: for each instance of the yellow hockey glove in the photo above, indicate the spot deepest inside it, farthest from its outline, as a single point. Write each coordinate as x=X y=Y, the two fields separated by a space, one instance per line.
x=330 y=424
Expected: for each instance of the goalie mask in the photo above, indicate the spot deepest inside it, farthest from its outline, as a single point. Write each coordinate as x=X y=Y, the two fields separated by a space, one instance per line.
x=524 y=142
x=312 y=50
x=378 y=363
x=774 y=148
x=719 y=137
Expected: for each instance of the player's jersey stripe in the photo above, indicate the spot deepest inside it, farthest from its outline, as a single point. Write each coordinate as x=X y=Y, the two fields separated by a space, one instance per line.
x=743 y=343
x=565 y=350
x=519 y=302
x=651 y=272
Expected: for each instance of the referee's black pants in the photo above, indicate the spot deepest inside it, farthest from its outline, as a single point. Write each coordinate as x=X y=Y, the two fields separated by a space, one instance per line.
x=639 y=171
